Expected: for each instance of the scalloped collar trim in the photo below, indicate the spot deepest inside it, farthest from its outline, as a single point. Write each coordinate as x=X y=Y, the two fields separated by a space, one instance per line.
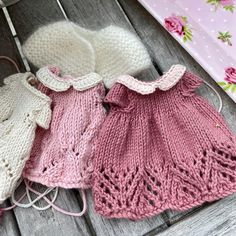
x=25 y=83
x=56 y=83
x=166 y=82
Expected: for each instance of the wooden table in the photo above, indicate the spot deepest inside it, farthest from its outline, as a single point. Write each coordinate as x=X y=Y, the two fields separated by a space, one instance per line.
x=217 y=218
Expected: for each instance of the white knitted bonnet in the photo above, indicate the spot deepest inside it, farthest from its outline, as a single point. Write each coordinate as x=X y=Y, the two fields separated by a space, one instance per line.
x=59 y=45
x=110 y=52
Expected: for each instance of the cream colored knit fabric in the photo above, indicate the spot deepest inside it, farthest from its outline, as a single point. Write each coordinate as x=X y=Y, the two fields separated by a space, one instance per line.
x=6 y=99
x=22 y=108
x=110 y=52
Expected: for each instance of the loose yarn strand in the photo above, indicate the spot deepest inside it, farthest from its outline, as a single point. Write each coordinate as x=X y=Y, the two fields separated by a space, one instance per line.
x=32 y=202
x=15 y=202
x=60 y=209
x=12 y=61
x=217 y=94
x=43 y=196
x=45 y=207
x=14 y=205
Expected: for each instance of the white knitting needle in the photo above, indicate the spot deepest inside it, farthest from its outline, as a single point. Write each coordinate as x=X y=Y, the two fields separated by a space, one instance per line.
x=62 y=10
x=217 y=94
x=14 y=34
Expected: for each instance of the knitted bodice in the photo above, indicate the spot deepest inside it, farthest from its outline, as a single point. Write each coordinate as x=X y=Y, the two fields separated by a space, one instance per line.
x=139 y=96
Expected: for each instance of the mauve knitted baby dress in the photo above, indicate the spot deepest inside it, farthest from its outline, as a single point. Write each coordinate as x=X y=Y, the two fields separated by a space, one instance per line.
x=62 y=156
x=161 y=150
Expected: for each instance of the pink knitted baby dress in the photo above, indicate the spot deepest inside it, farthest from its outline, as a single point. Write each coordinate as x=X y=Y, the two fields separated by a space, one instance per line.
x=62 y=156
x=161 y=150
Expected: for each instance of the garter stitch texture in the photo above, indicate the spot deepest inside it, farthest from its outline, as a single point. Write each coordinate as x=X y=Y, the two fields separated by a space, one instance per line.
x=62 y=156
x=110 y=52
x=22 y=108
x=161 y=150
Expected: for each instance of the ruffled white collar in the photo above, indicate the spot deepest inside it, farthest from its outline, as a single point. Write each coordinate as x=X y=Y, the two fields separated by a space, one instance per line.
x=49 y=77
x=166 y=82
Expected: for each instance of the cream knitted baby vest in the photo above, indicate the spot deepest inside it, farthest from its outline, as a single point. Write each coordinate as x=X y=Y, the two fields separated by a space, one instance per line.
x=22 y=108
x=110 y=52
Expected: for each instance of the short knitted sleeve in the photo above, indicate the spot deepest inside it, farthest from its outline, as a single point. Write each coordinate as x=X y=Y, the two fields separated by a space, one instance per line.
x=118 y=96
x=189 y=83
x=7 y=94
x=43 y=118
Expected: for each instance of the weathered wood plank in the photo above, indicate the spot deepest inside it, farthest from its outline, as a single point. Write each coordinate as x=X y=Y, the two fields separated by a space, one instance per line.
x=8 y=224
x=95 y=14
x=27 y=15
x=165 y=52
x=217 y=219
x=51 y=222
x=7 y=48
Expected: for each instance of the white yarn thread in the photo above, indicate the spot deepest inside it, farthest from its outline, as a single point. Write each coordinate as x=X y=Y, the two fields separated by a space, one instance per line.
x=31 y=202
x=217 y=94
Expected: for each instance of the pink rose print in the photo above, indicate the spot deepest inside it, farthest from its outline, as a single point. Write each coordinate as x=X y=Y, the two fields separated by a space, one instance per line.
x=226 y=2
x=230 y=73
x=229 y=82
x=175 y=24
x=179 y=25
x=228 y=5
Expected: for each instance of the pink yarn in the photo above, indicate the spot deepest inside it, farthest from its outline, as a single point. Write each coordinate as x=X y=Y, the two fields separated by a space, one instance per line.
x=42 y=196
x=62 y=156
x=1 y=215
x=11 y=61
x=165 y=150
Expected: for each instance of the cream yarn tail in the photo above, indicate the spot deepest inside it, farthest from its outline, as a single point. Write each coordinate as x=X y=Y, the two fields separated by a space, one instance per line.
x=110 y=52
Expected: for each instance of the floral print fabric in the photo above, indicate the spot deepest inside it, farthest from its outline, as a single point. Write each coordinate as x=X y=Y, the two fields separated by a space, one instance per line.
x=206 y=29
x=179 y=25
